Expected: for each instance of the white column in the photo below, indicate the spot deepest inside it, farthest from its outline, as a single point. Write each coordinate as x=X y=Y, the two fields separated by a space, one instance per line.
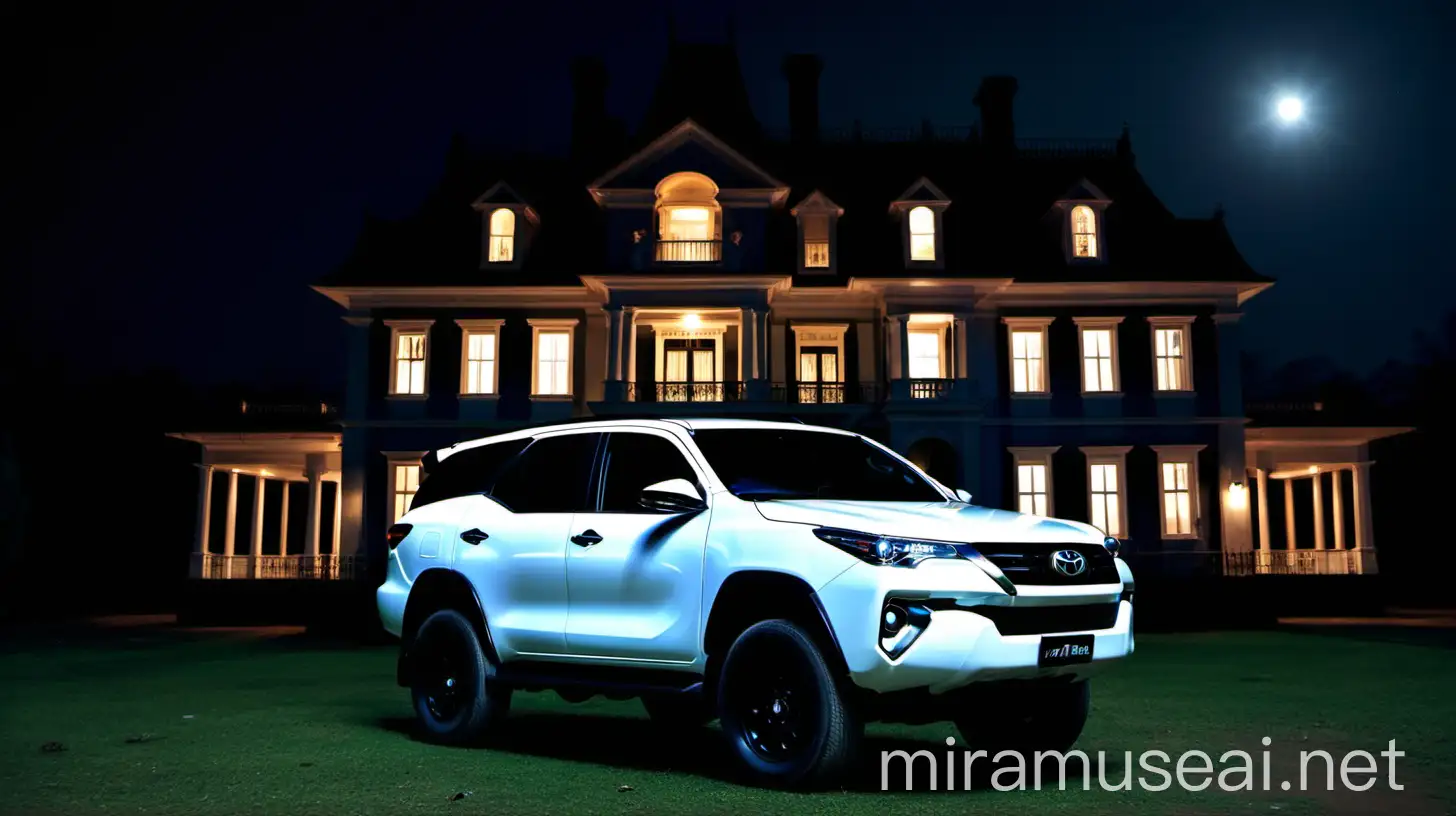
x=1261 y=476
x=1319 y=510
x=1364 y=530
x=229 y=536
x=630 y=338
x=255 y=529
x=962 y=338
x=338 y=516
x=204 y=521
x=283 y=520
x=1289 y=542
x=764 y=346
x=315 y=502
x=1338 y=497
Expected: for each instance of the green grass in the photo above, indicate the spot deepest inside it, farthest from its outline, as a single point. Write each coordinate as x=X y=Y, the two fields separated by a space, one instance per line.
x=289 y=726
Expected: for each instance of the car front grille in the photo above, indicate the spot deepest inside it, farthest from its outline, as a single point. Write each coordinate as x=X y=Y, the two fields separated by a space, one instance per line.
x=1031 y=564
x=1046 y=620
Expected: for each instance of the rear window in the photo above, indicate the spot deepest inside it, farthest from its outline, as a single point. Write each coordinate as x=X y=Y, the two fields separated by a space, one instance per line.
x=468 y=472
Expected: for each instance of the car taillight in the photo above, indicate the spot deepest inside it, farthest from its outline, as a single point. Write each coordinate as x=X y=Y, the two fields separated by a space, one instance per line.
x=397 y=533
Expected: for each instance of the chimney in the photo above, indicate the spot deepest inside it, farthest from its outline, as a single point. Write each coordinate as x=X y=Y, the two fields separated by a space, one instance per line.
x=998 y=130
x=589 y=107
x=802 y=71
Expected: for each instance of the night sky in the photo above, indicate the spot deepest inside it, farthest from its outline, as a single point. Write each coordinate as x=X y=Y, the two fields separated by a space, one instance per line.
x=189 y=168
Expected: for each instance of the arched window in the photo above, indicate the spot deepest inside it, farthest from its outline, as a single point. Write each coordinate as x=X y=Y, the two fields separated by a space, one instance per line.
x=689 y=219
x=1084 y=232
x=502 y=236
x=922 y=234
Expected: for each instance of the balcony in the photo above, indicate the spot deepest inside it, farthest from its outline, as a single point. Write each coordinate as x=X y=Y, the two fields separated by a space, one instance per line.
x=807 y=393
x=689 y=252
x=728 y=391
x=286 y=567
x=931 y=389
x=1299 y=562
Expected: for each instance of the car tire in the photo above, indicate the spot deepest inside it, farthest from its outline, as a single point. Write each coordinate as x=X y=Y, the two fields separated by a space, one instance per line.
x=787 y=719
x=1048 y=719
x=455 y=699
x=678 y=712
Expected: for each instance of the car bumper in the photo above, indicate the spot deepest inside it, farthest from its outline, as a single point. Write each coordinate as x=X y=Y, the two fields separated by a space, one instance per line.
x=392 y=596
x=960 y=646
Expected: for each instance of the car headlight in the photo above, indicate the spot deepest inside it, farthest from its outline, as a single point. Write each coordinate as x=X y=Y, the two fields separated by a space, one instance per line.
x=886 y=550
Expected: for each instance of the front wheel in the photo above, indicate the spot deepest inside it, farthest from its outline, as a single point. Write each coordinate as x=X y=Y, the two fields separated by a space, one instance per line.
x=782 y=709
x=1047 y=719
x=454 y=698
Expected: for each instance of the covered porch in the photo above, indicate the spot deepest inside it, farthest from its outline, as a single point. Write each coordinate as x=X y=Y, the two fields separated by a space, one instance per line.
x=268 y=507
x=1312 y=505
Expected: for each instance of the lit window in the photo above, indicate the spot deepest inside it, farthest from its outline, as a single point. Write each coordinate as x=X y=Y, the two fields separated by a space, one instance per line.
x=403 y=486
x=925 y=355
x=922 y=234
x=480 y=356
x=1099 y=354
x=1170 y=355
x=553 y=363
x=816 y=240
x=409 y=362
x=1084 y=232
x=1028 y=369
x=687 y=219
x=1178 y=484
x=1106 y=499
x=502 y=236
x=1031 y=489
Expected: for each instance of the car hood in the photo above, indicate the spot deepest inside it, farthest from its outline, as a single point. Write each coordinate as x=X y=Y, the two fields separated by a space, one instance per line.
x=939 y=521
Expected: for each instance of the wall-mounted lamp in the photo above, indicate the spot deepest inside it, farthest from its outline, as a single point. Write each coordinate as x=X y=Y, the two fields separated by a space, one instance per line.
x=692 y=321
x=1238 y=496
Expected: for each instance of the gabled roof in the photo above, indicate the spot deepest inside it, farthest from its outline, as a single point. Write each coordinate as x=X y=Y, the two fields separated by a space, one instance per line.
x=816 y=202
x=499 y=193
x=923 y=191
x=685 y=133
x=1084 y=190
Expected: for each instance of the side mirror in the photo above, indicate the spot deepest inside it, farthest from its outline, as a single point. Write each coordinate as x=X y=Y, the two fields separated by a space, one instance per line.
x=672 y=496
x=963 y=495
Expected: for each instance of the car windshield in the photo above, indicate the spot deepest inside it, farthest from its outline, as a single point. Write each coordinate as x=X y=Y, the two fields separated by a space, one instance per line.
x=762 y=464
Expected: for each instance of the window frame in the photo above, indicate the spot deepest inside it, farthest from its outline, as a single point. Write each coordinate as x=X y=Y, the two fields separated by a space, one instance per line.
x=1110 y=325
x=1096 y=232
x=553 y=325
x=911 y=234
x=939 y=333
x=492 y=235
x=396 y=460
x=482 y=327
x=397 y=329
x=1040 y=325
x=1180 y=454
x=1185 y=325
x=1034 y=456
x=1109 y=455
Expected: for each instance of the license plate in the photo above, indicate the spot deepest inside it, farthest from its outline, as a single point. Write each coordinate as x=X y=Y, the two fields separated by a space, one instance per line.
x=1065 y=650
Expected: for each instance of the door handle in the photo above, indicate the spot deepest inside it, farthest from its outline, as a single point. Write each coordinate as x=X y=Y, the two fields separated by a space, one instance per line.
x=586 y=538
x=473 y=536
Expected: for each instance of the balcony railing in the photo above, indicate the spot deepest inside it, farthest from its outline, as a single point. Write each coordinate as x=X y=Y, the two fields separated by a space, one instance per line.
x=936 y=389
x=816 y=254
x=291 y=567
x=727 y=391
x=689 y=251
x=1298 y=562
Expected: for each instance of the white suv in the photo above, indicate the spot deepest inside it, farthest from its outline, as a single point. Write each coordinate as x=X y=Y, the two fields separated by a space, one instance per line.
x=792 y=581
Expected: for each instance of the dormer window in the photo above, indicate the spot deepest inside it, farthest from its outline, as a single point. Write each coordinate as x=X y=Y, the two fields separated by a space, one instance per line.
x=922 y=234
x=689 y=220
x=818 y=217
x=1084 y=232
x=921 y=209
x=502 y=247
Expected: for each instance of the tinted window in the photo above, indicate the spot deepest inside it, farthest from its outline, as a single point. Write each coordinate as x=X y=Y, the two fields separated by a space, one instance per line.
x=760 y=463
x=469 y=471
x=634 y=461
x=550 y=477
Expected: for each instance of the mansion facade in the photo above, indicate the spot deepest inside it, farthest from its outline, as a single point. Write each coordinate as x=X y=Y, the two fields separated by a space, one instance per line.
x=1023 y=319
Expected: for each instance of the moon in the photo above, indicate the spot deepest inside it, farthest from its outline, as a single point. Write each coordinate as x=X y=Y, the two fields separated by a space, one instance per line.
x=1290 y=108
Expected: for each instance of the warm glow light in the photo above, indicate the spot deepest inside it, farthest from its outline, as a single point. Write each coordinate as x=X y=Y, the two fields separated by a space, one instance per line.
x=265 y=473
x=692 y=321
x=1314 y=468
x=1238 y=496
x=235 y=470
x=1290 y=108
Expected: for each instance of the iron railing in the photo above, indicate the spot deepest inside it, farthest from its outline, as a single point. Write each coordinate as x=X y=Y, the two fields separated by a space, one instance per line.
x=931 y=389
x=291 y=567
x=689 y=251
x=1292 y=562
x=725 y=391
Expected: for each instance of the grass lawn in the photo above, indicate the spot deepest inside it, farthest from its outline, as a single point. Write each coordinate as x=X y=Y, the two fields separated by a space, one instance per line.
x=167 y=722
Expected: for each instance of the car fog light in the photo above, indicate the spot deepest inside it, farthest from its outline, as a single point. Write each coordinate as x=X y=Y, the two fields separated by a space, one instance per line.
x=901 y=624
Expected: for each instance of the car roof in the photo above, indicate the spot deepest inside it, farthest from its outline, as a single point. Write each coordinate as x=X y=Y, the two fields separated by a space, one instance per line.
x=689 y=423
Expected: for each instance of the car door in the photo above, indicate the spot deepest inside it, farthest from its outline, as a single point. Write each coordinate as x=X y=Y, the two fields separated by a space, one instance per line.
x=634 y=576
x=513 y=542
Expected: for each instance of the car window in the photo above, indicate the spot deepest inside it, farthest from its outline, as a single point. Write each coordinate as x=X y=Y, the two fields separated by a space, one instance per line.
x=470 y=471
x=550 y=476
x=762 y=464
x=634 y=461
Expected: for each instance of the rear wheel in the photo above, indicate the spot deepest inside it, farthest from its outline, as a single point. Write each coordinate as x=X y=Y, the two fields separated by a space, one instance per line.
x=782 y=708
x=455 y=700
x=1050 y=718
